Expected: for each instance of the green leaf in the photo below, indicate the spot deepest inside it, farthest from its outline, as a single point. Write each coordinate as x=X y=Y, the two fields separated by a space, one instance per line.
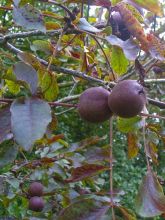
x=28 y=74
x=11 y=83
x=85 y=209
x=150 y=200
x=8 y=153
x=49 y=86
x=85 y=171
x=28 y=17
x=29 y=120
x=119 y=62
x=129 y=124
x=42 y=45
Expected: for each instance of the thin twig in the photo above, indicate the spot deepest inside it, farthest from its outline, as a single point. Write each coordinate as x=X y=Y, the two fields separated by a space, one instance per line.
x=145 y=147
x=111 y=167
x=107 y=60
x=152 y=116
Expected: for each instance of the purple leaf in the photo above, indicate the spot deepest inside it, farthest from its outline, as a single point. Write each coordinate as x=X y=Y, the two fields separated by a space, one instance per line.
x=130 y=48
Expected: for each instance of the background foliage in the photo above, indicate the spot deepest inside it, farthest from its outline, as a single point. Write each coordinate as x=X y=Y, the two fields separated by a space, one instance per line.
x=50 y=53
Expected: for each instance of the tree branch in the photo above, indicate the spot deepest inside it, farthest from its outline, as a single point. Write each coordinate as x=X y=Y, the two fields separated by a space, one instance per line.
x=89 y=78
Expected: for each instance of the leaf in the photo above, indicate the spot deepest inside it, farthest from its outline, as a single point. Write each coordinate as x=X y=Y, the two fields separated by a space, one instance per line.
x=119 y=62
x=129 y=124
x=133 y=147
x=156 y=47
x=84 y=209
x=97 y=154
x=132 y=24
x=5 y=123
x=151 y=5
x=11 y=83
x=86 y=143
x=152 y=151
x=53 y=15
x=141 y=71
x=85 y=26
x=49 y=86
x=29 y=120
x=150 y=200
x=28 y=74
x=52 y=25
x=42 y=45
x=8 y=153
x=30 y=59
x=85 y=171
x=129 y=47
x=28 y=17
x=127 y=214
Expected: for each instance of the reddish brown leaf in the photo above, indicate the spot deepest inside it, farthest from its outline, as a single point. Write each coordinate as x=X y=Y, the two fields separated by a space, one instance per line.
x=141 y=71
x=156 y=47
x=84 y=209
x=55 y=138
x=85 y=171
x=133 y=24
x=97 y=154
x=150 y=200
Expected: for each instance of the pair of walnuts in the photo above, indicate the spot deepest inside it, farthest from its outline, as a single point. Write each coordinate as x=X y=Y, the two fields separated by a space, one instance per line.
x=126 y=100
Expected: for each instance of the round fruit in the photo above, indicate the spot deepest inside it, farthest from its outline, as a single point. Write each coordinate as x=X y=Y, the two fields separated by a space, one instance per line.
x=36 y=204
x=127 y=99
x=93 y=105
x=118 y=27
x=35 y=189
x=157 y=70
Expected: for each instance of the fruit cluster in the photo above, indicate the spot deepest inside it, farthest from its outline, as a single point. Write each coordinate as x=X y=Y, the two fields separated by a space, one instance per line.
x=126 y=100
x=36 y=202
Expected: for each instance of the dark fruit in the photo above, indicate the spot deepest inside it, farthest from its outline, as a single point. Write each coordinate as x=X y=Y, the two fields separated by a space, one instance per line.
x=36 y=204
x=35 y=189
x=127 y=99
x=93 y=105
x=157 y=70
x=118 y=27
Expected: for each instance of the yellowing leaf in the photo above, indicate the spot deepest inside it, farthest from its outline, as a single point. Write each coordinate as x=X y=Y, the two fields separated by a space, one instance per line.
x=49 y=86
x=119 y=62
x=151 y=5
x=133 y=147
x=52 y=25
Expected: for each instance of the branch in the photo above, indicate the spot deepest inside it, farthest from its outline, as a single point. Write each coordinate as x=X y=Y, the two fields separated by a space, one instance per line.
x=89 y=78
x=51 y=33
x=156 y=103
